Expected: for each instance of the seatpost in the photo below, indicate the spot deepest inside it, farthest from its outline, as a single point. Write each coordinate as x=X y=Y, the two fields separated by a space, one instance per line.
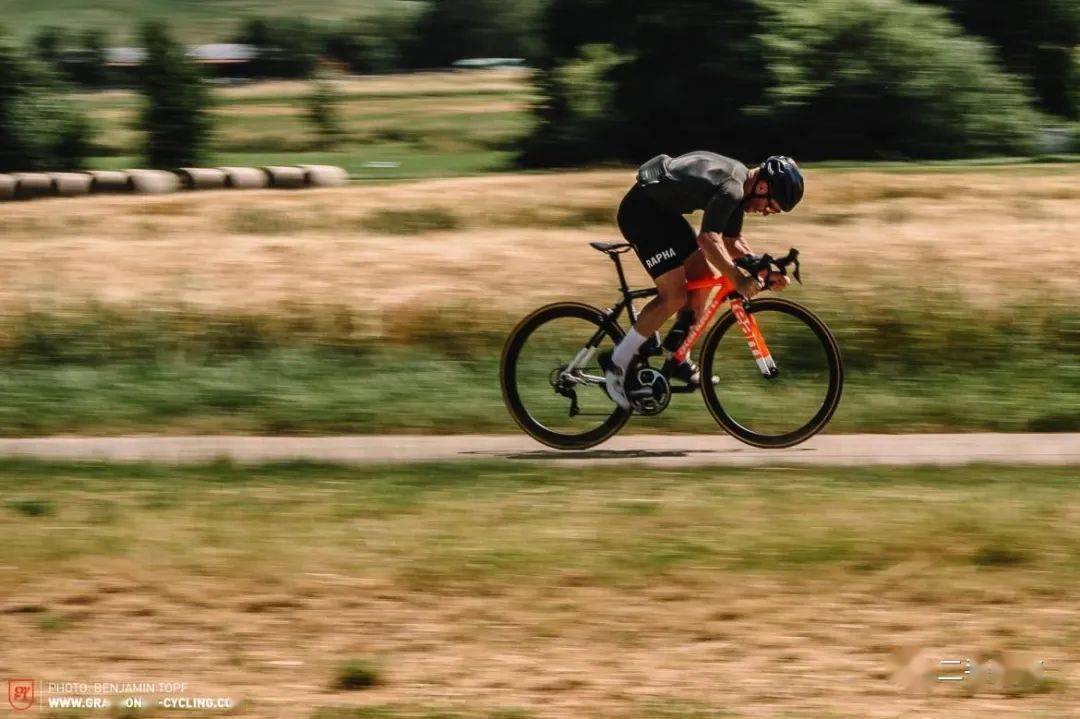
x=622 y=278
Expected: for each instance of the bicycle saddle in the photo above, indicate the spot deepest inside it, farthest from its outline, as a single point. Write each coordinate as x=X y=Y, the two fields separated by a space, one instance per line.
x=610 y=247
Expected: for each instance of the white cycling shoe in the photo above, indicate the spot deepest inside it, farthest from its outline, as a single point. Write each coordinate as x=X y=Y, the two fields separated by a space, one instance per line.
x=614 y=380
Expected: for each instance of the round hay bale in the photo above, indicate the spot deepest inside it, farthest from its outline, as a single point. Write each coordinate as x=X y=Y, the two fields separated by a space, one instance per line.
x=201 y=178
x=283 y=177
x=245 y=178
x=7 y=187
x=70 y=184
x=32 y=184
x=153 y=182
x=109 y=181
x=324 y=175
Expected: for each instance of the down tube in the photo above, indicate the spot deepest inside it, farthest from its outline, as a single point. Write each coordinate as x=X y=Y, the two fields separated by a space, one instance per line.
x=749 y=326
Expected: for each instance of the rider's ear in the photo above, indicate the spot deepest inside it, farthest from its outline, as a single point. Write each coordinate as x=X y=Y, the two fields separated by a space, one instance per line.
x=761 y=188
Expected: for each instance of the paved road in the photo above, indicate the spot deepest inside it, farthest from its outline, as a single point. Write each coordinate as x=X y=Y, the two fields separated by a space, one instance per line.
x=1047 y=449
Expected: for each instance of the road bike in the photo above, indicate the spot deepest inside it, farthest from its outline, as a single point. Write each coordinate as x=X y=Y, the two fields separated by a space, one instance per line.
x=771 y=394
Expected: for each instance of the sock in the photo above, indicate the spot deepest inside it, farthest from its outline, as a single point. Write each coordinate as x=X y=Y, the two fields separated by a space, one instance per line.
x=627 y=349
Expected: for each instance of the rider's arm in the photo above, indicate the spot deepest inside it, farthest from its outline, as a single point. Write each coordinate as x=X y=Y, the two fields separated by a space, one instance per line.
x=716 y=251
x=736 y=246
x=723 y=217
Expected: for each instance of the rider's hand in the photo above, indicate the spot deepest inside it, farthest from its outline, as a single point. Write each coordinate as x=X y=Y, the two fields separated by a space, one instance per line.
x=747 y=286
x=775 y=281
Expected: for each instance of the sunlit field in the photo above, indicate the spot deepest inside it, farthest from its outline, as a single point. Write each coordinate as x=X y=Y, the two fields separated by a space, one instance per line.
x=419 y=125
x=521 y=589
x=383 y=307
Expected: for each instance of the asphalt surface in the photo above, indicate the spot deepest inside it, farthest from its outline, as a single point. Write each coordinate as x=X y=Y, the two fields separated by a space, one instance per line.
x=655 y=449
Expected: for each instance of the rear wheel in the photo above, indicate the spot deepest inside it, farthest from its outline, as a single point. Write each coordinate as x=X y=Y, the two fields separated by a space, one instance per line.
x=551 y=380
x=789 y=408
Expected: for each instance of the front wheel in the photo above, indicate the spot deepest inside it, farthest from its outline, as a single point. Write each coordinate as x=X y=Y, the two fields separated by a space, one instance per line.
x=798 y=400
x=551 y=381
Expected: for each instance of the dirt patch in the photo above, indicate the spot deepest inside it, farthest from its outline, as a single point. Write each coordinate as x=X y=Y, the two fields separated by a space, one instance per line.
x=751 y=646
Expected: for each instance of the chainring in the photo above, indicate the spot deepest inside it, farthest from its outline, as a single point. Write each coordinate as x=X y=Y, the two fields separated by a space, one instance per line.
x=648 y=390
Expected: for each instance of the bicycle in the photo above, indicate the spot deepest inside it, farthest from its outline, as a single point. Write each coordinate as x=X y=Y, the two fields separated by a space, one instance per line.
x=556 y=396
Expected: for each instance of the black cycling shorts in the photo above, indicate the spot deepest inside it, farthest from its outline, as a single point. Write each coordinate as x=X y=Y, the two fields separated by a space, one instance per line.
x=662 y=238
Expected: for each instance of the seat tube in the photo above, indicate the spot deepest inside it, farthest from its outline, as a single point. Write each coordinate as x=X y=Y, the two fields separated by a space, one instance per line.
x=752 y=333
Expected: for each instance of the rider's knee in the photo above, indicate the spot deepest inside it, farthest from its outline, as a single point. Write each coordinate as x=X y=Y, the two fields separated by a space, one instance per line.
x=673 y=299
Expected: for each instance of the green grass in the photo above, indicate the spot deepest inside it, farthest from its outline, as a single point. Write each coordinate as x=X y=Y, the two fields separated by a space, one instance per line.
x=387 y=134
x=434 y=527
x=927 y=362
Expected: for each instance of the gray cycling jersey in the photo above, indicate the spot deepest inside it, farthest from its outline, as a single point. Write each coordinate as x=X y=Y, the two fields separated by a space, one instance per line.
x=698 y=181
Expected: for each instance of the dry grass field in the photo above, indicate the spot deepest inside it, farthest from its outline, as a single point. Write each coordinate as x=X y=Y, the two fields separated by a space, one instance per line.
x=529 y=591
x=514 y=241
x=950 y=291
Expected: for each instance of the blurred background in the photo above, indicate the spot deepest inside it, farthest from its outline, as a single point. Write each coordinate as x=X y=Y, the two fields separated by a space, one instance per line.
x=486 y=142
x=937 y=231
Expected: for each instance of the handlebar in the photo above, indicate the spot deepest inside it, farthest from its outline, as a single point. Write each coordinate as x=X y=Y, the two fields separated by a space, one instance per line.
x=756 y=264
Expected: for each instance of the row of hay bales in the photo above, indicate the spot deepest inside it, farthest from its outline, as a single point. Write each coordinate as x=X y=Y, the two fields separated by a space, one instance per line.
x=29 y=185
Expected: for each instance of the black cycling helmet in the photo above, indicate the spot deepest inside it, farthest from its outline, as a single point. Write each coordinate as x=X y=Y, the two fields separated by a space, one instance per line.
x=785 y=181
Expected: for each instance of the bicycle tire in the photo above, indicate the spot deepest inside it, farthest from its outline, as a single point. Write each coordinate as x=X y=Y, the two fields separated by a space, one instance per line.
x=508 y=377
x=830 y=401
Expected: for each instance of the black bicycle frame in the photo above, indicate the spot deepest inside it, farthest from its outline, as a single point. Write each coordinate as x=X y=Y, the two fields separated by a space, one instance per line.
x=627 y=302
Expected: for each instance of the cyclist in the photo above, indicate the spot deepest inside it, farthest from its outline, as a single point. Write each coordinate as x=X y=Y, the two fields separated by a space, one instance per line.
x=651 y=219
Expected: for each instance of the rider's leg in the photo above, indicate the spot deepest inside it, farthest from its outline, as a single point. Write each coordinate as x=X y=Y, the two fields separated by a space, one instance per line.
x=672 y=296
x=698 y=268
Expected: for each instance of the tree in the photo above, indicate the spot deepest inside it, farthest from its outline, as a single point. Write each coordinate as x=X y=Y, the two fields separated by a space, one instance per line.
x=323 y=111
x=687 y=74
x=176 y=116
x=887 y=78
x=40 y=129
x=450 y=30
x=48 y=45
x=859 y=79
x=377 y=43
x=286 y=47
x=1035 y=38
x=87 y=65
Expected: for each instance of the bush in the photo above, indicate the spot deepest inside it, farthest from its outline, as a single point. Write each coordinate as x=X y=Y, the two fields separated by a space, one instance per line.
x=39 y=128
x=286 y=47
x=578 y=121
x=450 y=30
x=1035 y=39
x=375 y=44
x=175 y=117
x=888 y=78
x=324 y=113
x=821 y=79
x=86 y=65
x=357 y=674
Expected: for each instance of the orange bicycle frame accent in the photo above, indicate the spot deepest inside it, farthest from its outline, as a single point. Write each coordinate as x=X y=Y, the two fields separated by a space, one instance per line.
x=747 y=323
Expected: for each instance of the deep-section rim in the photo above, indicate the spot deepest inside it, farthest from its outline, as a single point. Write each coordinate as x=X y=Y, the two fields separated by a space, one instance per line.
x=508 y=375
x=832 y=398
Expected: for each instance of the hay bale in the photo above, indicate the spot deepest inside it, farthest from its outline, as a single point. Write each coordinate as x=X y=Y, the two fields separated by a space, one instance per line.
x=70 y=184
x=29 y=185
x=282 y=177
x=7 y=187
x=324 y=175
x=109 y=181
x=245 y=178
x=202 y=178
x=153 y=182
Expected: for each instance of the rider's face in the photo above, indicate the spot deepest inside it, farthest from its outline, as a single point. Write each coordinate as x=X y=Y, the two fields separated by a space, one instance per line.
x=760 y=203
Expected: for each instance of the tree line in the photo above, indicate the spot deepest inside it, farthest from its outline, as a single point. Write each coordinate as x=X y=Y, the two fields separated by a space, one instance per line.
x=886 y=79
x=625 y=79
